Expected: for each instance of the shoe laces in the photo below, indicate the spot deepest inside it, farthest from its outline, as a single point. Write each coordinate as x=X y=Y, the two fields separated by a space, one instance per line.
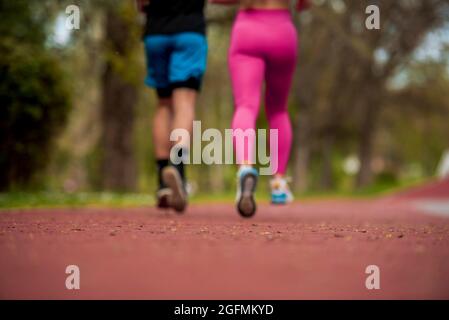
x=280 y=184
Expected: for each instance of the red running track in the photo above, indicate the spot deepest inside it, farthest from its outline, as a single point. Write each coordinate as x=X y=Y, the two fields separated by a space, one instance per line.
x=309 y=250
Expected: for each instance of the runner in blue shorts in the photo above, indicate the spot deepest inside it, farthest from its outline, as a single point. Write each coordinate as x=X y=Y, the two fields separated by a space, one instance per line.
x=176 y=54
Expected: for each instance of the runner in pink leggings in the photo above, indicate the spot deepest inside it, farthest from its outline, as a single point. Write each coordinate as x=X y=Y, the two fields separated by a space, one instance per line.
x=263 y=49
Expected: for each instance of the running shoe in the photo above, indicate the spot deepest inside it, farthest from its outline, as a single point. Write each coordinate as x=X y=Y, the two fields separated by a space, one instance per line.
x=162 y=198
x=280 y=192
x=172 y=179
x=246 y=186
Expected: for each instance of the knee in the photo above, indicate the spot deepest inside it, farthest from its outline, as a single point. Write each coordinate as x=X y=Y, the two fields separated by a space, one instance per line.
x=245 y=113
x=164 y=103
x=277 y=113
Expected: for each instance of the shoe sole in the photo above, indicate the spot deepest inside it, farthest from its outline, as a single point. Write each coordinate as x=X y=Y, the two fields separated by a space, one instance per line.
x=163 y=202
x=246 y=205
x=172 y=179
x=279 y=200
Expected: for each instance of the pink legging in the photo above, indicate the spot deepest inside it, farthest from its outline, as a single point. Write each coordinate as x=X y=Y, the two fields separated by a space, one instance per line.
x=263 y=47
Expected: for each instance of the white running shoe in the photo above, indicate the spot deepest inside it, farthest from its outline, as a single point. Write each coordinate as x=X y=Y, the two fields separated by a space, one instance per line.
x=246 y=186
x=280 y=192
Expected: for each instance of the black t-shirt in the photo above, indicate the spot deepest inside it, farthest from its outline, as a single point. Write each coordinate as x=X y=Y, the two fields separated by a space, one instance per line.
x=175 y=16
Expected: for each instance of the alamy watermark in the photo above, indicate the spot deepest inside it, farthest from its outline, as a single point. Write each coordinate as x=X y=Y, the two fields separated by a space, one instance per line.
x=373 y=20
x=219 y=148
x=72 y=21
x=372 y=282
x=72 y=282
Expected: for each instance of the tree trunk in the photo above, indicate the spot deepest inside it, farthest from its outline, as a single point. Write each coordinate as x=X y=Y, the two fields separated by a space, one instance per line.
x=366 y=143
x=118 y=104
x=327 y=176
x=301 y=153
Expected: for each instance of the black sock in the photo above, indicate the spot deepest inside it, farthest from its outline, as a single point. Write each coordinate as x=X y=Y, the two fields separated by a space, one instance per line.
x=161 y=164
x=180 y=168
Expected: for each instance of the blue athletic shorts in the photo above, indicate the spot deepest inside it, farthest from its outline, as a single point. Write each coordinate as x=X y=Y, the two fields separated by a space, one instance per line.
x=175 y=61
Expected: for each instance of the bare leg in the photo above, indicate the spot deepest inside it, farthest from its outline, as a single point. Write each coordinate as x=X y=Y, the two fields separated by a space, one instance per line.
x=162 y=123
x=184 y=101
x=183 y=115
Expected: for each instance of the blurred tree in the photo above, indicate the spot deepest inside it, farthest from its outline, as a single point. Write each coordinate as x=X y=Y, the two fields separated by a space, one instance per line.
x=344 y=74
x=120 y=79
x=34 y=99
x=416 y=120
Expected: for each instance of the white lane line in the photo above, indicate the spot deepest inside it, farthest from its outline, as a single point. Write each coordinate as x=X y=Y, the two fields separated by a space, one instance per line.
x=435 y=207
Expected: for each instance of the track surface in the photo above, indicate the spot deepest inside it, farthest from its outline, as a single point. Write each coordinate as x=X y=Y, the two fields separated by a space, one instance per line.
x=316 y=249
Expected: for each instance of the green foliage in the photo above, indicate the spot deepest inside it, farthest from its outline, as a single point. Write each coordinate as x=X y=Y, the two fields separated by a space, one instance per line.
x=33 y=105
x=23 y=21
x=61 y=199
x=34 y=99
